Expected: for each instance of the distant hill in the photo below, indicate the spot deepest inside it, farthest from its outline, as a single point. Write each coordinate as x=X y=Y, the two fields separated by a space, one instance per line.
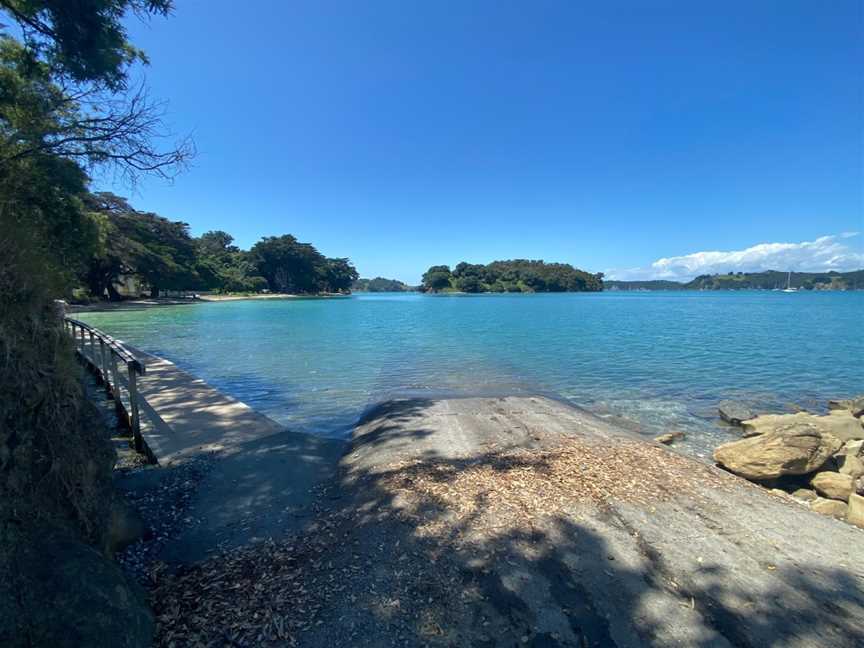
x=380 y=284
x=768 y=280
x=658 y=284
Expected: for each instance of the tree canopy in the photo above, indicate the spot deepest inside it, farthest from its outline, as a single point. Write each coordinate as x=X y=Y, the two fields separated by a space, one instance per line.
x=517 y=275
x=162 y=255
x=380 y=284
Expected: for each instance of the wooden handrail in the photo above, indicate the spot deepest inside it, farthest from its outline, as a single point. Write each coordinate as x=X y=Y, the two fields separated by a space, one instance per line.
x=102 y=361
x=116 y=346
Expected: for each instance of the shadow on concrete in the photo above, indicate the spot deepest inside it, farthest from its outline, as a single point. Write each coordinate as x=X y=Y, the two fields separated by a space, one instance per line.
x=411 y=553
x=696 y=569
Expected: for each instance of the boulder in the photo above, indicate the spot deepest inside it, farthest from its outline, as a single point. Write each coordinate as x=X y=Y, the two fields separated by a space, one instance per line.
x=796 y=448
x=829 y=507
x=125 y=527
x=833 y=485
x=669 y=438
x=734 y=413
x=57 y=591
x=853 y=405
x=855 y=514
x=840 y=424
x=855 y=448
x=851 y=465
x=805 y=494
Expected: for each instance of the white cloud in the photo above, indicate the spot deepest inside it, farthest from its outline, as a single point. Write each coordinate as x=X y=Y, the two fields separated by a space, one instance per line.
x=824 y=254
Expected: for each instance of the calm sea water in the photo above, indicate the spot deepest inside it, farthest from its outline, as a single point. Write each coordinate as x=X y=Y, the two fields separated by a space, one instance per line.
x=654 y=361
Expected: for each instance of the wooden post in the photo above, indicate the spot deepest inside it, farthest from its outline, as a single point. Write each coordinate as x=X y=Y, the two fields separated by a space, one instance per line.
x=92 y=356
x=104 y=363
x=133 y=406
x=115 y=378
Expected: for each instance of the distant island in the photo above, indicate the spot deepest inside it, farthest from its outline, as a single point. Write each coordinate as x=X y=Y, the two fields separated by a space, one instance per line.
x=380 y=284
x=516 y=275
x=768 y=280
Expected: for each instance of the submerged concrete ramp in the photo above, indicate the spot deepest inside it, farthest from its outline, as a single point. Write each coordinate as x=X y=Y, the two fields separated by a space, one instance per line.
x=185 y=416
x=249 y=478
x=525 y=522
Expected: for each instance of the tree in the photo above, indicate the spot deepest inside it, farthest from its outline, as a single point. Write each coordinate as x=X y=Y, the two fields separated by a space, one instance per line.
x=380 y=284
x=65 y=89
x=288 y=265
x=513 y=276
x=437 y=278
x=64 y=109
x=157 y=250
x=340 y=275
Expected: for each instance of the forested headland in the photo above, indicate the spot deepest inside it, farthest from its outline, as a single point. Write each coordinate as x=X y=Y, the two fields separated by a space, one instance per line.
x=517 y=275
x=767 y=280
x=380 y=284
x=160 y=254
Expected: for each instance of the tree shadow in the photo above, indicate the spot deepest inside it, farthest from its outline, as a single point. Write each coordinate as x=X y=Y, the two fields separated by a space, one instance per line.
x=420 y=543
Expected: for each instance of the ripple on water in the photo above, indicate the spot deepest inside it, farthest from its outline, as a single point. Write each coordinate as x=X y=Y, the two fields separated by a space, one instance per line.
x=659 y=360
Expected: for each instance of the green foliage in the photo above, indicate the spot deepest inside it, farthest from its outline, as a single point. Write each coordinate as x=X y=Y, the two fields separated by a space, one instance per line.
x=518 y=275
x=339 y=275
x=380 y=284
x=643 y=285
x=767 y=280
x=85 y=39
x=158 y=251
x=228 y=268
x=437 y=278
x=293 y=267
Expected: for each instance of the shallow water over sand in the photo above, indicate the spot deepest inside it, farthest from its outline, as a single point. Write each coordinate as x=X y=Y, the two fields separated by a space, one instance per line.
x=658 y=361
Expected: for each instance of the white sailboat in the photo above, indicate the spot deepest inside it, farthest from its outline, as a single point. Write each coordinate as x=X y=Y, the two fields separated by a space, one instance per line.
x=789 y=287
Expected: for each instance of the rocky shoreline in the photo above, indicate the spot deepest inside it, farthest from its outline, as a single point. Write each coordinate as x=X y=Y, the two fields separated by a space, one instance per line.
x=817 y=460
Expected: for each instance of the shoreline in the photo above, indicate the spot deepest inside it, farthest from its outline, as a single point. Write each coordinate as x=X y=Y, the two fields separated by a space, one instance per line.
x=471 y=490
x=146 y=302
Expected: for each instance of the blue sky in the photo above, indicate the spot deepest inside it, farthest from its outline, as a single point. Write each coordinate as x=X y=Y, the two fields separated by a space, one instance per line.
x=608 y=134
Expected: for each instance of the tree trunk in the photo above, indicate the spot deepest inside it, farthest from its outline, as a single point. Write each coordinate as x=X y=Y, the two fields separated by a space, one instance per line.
x=113 y=295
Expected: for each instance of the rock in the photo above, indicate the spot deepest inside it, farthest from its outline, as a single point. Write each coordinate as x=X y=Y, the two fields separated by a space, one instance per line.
x=59 y=592
x=854 y=448
x=833 y=485
x=124 y=528
x=853 y=405
x=855 y=514
x=850 y=465
x=669 y=438
x=797 y=448
x=829 y=507
x=840 y=424
x=804 y=494
x=734 y=413
x=779 y=492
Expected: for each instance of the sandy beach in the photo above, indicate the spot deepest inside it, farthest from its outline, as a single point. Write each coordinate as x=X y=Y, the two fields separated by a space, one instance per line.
x=146 y=302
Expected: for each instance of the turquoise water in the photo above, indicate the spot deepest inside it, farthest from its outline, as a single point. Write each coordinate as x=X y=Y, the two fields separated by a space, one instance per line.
x=654 y=361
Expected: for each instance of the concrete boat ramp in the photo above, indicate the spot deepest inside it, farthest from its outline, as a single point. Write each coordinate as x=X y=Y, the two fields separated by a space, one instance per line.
x=256 y=477
x=511 y=521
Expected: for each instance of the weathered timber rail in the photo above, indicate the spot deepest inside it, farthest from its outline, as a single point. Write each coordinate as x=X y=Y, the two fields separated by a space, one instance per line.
x=104 y=356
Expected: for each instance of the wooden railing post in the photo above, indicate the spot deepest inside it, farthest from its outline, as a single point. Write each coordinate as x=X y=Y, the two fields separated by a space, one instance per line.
x=115 y=378
x=103 y=361
x=92 y=355
x=133 y=407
